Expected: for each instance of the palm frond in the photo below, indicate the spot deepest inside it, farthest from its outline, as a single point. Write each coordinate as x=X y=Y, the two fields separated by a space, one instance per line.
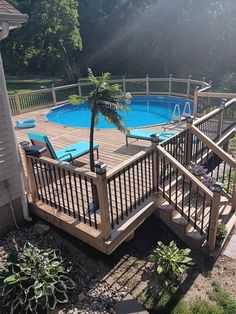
x=77 y=100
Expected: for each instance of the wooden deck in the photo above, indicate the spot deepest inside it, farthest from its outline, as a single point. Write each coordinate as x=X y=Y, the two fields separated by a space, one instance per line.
x=112 y=150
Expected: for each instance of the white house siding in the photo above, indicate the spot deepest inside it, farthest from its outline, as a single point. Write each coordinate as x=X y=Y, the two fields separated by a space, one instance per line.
x=8 y=171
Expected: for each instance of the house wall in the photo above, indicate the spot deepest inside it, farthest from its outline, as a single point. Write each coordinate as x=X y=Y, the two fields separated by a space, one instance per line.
x=10 y=182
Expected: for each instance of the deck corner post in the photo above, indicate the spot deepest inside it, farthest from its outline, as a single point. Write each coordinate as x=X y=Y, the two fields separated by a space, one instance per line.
x=195 y=111
x=54 y=95
x=123 y=83
x=32 y=189
x=221 y=120
x=17 y=100
x=147 y=84
x=188 y=139
x=100 y=169
x=214 y=216
x=234 y=193
x=155 y=165
x=170 y=84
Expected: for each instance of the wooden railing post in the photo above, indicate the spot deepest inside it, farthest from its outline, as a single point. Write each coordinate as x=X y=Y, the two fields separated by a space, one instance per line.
x=100 y=169
x=188 y=86
x=54 y=97
x=155 y=164
x=147 y=84
x=17 y=99
x=195 y=101
x=31 y=181
x=170 y=84
x=214 y=216
x=123 y=83
x=234 y=191
x=188 y=144
x=221 y=120
x=79 y=88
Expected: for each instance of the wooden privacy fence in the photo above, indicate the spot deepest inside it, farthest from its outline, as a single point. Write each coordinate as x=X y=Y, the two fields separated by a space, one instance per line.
x=48 y=97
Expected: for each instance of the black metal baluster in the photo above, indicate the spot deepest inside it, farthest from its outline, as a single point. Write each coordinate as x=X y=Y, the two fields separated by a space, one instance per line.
x=125 y=187
x=196 y=207
x=189 y=200
x=88 y=201
x=142 y=183
x=76 y=196
x=121 y=200
x=203 y=212
x=71 y=194
x=130 y=190
x=52 y=184
x=111 y=205
x=94 y=209
x=67 y=196
x=176 y=188
x=82 y=198
x=61 y=188
x=134 y=184
x=117 y=214
x=137 y=170
x=183 y=192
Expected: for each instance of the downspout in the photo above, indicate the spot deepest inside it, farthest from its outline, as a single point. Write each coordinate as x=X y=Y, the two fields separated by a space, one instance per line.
x=3 y=90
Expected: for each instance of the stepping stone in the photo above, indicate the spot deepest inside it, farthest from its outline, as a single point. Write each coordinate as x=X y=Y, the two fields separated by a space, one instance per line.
x=230 y=249
x=129 y=306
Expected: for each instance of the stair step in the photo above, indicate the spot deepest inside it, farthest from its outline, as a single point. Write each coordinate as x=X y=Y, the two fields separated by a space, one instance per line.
x=179 y=220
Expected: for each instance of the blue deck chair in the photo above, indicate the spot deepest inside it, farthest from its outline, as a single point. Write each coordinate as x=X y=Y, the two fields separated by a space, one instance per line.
x=140 y=134
x=25 y=124
x=68 y=153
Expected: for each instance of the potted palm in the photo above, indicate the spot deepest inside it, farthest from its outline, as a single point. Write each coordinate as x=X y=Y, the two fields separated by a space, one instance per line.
x=105 y=99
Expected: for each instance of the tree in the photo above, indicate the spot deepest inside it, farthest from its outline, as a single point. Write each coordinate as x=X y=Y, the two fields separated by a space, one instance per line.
x=48 y=41
x=105 y=99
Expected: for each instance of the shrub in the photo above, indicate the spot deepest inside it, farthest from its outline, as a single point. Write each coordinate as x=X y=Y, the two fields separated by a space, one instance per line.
x=171 y=260
x=198 y=170
x=34 y=281
x=221 y=232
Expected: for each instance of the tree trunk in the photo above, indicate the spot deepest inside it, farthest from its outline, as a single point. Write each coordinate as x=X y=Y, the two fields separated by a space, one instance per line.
x=91 y=157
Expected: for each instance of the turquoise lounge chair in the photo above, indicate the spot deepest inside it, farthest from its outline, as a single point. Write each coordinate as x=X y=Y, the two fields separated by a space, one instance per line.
x=65 y=154
x=25 y=124
x=147 y=135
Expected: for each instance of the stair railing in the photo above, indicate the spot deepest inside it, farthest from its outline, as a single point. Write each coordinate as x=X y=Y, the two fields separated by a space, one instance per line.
x=189 y=196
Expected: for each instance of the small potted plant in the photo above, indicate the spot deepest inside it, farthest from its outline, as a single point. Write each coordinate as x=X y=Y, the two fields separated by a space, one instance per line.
x=221 y=233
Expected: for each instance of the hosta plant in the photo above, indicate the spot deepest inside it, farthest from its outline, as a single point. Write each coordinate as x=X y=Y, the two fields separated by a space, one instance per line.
x=171 y=260
x=198 y=170
x=34 y=281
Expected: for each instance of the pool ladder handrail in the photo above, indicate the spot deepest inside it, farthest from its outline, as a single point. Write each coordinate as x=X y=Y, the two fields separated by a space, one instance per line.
x=187 y=109
x=176 y=113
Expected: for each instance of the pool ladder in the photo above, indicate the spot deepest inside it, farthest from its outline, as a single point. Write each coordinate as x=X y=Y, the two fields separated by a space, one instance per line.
x=186 y=112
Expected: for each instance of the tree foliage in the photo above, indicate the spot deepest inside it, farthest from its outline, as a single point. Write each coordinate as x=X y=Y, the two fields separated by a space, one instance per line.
x=158 y=37
x=47 y=41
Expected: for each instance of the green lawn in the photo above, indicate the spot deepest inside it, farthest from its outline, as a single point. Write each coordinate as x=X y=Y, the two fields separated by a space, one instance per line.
x=29 y=83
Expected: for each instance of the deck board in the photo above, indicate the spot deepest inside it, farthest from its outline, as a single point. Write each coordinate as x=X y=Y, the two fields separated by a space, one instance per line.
x=112 y=150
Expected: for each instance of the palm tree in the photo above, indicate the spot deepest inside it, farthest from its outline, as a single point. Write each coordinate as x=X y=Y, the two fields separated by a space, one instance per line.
x=105 y=99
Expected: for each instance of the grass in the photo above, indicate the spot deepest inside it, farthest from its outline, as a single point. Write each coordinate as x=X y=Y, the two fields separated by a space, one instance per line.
x=220 y=302
x=29 y=83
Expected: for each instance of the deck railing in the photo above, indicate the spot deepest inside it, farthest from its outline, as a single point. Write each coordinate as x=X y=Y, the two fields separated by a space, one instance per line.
x=192 y=199
x=130 y=185
x=30 y=101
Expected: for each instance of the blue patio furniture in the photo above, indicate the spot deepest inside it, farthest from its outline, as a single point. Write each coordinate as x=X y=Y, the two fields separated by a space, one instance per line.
x=68 y=153
x=148 y=135
x=25 y=124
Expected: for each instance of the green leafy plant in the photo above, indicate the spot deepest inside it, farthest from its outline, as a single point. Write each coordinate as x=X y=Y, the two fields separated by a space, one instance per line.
x=171 y=260
x=221 y=232
x=34 y=281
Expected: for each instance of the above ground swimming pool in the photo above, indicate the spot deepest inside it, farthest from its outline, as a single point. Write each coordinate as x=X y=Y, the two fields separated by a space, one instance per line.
x=144 y=111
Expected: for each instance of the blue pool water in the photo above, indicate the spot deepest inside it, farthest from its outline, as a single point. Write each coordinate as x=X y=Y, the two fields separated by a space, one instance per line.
x=144 y=111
